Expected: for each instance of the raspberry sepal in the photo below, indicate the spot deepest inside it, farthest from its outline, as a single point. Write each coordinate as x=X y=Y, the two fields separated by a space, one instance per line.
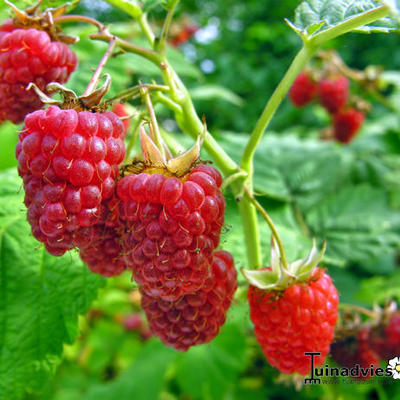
x=279 y=277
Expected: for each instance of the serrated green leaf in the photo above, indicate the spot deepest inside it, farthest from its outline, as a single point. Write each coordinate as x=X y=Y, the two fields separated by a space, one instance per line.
x=40 y=298
x=356 y=223
x=311 y=13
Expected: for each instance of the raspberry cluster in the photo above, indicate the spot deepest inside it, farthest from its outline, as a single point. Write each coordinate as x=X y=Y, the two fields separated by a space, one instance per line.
x=333 y=94
x=194 y=318
x=68 y=161
x=29 y=55
x=171 y=228
x=294 y=321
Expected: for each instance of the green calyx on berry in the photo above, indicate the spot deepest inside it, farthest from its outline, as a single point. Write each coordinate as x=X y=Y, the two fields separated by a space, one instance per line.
x=278 y=277
x=71 y=100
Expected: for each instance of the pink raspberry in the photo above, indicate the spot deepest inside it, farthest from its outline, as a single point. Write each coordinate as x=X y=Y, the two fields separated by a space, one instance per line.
x=68 y=161
x=172 y=225
x=29 y=55
x=196 y=317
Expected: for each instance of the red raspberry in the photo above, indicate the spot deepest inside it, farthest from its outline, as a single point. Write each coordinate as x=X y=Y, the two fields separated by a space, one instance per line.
x=385 y=340
x=29 y=55
x=68 y=161
x=194 y=318
x=333 y=93
x=294 y=321
x=103 y=253
x=172 y=226
x=346 y=124
x=119 y=109
x=353 y=350
x=303 y=90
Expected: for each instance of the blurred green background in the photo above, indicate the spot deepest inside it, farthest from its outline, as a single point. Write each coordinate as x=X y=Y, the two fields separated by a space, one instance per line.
x=347 y=194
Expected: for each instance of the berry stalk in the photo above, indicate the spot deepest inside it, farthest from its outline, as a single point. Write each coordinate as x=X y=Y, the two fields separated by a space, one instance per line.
x=96 y=75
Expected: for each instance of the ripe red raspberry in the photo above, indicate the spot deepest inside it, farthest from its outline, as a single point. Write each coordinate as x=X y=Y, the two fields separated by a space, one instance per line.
x=68 y=161
x=346 y=124
x=353 y=350
x=194 y=318
x=333 y=93
x=103 y=252
x=385 y=340
x=172 y=225
x=294 y=321
x=303 y=90
x=29 y=55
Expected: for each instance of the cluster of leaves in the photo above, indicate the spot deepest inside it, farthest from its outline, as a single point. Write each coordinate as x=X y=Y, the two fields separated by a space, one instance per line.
x=349 y=196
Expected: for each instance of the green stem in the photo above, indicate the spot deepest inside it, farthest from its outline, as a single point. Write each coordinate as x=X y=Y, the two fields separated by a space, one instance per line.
x=270 y=223
x=134 y=91
x=165 y=28
x=148 y=54
x=166 y=101
x=146 y=29
x=275 y=100
x=251 y=232
x=229 y=180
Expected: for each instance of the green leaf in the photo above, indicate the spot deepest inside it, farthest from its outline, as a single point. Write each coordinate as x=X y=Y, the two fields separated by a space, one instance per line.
x=212 y=92
x=41 y=297
x=357 y=224
x=8 y=141
x=131 y=7
x=311 y=13
x=141 y=381
x=209 y=372
x=378 y=289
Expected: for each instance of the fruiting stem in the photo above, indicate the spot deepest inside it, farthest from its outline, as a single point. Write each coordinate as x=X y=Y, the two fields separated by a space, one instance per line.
x=155 y=130
x=165 y=28
x=132 y=48
x=145 y=27
x=270 y=223
x=358 y=309
x=160 y=98
x=272 y=105
x=251 y=232
x=229 y=180
x=96 y=75
x=79 y=18
x=135 y=90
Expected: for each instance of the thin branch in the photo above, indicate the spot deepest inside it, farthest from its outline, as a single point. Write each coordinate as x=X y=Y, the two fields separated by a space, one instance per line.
x=270 y=223
x=96 y=75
